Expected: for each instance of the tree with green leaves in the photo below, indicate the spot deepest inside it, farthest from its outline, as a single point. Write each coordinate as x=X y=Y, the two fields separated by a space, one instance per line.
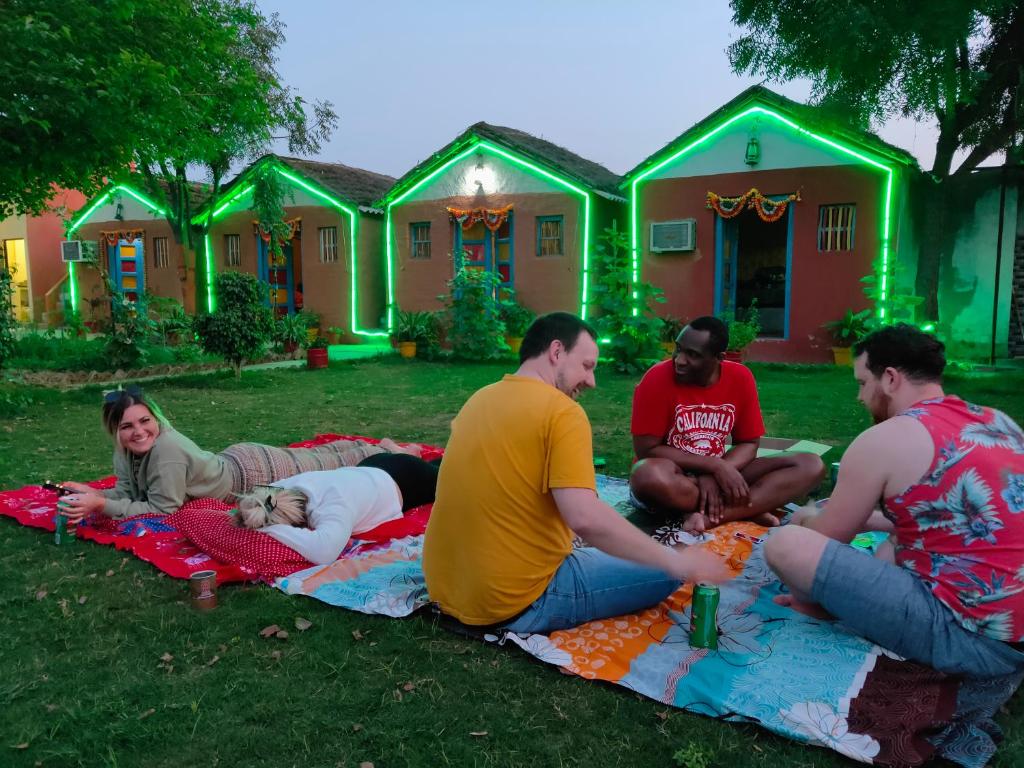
x=241 y=326
x=957 y=62
x=176 y=87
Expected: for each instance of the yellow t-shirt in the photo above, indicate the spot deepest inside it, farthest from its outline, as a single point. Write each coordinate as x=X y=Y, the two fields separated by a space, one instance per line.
x=495 y=537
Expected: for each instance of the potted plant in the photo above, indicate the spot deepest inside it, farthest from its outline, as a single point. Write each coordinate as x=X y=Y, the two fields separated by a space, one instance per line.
x=311 y=322
x=335 y=334
x=517 y=320
x=291 y=332
x=845 y=332
x=176 y=327
x=316 y=353
x=411 y=329
x=670 y=330
x=742 y=333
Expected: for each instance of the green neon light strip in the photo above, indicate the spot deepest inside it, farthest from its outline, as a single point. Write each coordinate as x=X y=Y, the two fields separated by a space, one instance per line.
x=208 y=259
x=634 y=209
x=473 y=148
x=230 y=201
x=72 y=278
x=85 y=216
x=353 y=225
x=73 y=284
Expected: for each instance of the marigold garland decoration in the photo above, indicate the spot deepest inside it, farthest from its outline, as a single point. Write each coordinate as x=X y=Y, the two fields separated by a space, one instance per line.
x=767 y=210
x=115 y=236
x=492 y=218
x=294 y=228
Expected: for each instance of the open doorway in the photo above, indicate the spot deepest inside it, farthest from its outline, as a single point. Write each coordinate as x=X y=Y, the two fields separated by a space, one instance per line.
x=754 y=270
x=17 y=266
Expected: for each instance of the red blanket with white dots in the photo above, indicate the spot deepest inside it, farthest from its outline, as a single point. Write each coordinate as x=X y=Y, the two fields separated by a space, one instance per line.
x=199 y=536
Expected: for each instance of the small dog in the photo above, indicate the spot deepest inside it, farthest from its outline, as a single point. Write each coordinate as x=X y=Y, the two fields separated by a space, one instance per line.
x=269 y=505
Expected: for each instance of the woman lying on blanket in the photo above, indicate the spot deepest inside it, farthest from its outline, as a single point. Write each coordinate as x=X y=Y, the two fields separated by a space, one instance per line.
x=158 y=469
x=333 y=505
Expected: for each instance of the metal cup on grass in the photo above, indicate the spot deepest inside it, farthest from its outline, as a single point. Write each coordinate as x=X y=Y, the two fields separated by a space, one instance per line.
x=203 y=586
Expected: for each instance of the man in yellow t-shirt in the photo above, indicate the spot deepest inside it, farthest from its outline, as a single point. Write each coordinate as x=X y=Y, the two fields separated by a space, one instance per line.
x=516 y=481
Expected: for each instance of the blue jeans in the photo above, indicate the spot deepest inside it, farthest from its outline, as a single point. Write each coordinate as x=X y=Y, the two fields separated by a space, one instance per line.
x=593 y=585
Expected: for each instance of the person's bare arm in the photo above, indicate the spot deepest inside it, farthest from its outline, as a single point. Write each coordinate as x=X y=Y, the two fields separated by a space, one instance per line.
x=861 y=483
x=604 y=528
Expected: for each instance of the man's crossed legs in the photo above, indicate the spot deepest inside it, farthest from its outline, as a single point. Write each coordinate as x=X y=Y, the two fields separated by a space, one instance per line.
x=773 y=481
x=883 y=602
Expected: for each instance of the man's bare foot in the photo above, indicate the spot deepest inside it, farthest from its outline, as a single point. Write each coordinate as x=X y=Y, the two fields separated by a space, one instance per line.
x=391 y=446
x=767 y=519
x=695 y=524
x=813 y=610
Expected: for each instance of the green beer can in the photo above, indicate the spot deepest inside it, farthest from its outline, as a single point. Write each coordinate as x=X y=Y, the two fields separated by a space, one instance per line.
x=704 y=617
x=62 y=533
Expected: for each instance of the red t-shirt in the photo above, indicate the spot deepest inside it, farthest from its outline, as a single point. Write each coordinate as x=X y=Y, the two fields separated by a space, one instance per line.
x=698 y=419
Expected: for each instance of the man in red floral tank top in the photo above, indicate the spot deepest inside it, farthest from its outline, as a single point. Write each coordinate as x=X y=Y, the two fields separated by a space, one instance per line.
x=945 y=479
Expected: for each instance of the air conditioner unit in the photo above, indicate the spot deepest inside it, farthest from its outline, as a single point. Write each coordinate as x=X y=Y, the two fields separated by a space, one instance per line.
x=679 y=235
x=77 y=250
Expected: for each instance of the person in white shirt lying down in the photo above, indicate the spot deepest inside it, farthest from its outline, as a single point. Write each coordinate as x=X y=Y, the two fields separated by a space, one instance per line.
x=316 y=513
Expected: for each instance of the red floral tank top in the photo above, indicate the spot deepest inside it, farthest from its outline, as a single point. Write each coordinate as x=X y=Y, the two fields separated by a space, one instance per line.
x=960 y=528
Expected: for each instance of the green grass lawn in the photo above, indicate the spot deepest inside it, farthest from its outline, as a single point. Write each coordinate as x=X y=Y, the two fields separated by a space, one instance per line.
x=104 y=663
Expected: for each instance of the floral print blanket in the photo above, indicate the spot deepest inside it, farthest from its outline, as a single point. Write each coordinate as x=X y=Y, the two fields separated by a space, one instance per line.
x=806 y=679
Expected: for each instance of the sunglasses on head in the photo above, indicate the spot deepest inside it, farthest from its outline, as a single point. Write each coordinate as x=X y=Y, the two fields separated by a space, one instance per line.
x=114 y=395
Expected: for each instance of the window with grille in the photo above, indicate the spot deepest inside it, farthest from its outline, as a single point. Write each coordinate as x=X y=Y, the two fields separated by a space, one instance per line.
x=232 y=250
x=328 y=245
x=419 y=236
x=549 y=236
x=161 y=258
x=836 y=224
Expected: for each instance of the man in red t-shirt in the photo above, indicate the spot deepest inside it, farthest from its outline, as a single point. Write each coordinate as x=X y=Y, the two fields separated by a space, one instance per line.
x=684 y=411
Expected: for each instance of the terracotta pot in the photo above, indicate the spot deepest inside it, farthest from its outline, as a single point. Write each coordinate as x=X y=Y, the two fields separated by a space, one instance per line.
x=514 y=343
x=316 y=358
x=734 y=355
x=407 y=349
x=290 y=346
x=842 y=355
x=333 y=338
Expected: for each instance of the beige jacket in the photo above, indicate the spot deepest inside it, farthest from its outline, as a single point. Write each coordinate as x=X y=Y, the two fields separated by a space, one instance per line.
x=174 y=471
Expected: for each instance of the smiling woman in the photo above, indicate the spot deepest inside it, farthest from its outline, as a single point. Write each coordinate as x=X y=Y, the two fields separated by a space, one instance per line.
x=158 y=469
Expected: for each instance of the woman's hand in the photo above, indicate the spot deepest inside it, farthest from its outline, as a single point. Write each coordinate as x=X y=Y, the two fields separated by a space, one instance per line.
x=78 y=505
x=78 y=487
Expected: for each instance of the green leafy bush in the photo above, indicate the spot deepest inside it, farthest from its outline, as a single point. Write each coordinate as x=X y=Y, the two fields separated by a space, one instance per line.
x=6 y=317
x=130 y=331
x=629 y=341
x=475 y=328
x=241 y=326
x=742 y=333
x=671 y=327
x=515 y=316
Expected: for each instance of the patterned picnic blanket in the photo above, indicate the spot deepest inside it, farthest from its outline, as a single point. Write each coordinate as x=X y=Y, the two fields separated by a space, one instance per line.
x=198 y=537
x=806 y=679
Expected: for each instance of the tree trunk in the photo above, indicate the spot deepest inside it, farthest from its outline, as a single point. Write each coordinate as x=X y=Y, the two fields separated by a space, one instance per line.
x=937 y=223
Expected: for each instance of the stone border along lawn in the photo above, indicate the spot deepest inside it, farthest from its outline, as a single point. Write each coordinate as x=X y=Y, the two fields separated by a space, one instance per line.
x=74 y=379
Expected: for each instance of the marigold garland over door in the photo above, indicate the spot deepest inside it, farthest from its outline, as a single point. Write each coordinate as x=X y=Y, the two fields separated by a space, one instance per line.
x=767 y=210
x=492 y=218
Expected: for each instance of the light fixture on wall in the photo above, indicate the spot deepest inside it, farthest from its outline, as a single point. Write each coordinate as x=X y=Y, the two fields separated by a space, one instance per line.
x=481 y=178
x=752 y=155
x=119 y=211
